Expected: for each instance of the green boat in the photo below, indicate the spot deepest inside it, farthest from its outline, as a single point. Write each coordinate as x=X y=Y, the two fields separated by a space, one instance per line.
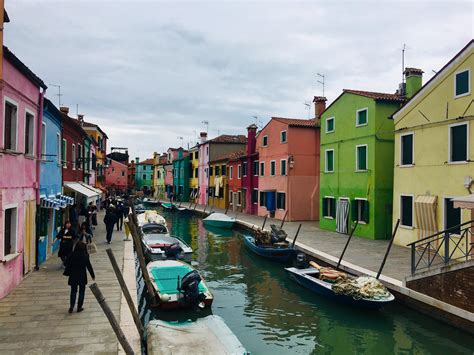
x=219 y=220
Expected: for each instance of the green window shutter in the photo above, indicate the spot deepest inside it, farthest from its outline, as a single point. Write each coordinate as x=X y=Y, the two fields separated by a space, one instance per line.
x=362 y=158
x=459 y=143
x=407 y=149
x=333 y=208
x=330 y=160
x=462 y=83
x=366 y=212
x=362 y=117
x=325 y=207
x=354 y=210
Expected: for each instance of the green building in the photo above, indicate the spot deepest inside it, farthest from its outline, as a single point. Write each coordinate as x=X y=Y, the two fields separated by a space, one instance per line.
x=144 y=174
x=181 y=175
x=357 y=148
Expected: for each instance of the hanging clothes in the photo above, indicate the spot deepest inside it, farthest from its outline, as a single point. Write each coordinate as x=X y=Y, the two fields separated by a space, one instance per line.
x=342 y=215
x=216 y=184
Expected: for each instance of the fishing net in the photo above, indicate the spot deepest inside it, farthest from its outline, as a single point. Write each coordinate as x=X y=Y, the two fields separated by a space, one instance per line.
x=361 y=287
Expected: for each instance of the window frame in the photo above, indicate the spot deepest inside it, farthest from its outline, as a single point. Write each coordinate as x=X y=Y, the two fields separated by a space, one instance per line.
x=254 y=201
x=244 y=169
x=400 y=211
x=281 y=167
x=334 y=202
x=467 y=143
x=79 y=158
x=360 y=212
x=256 y=171
x=12 y=102
x=43 y=141
x=262 y=168
x=64 y=162
x=445 y=224
x=231 y=172
x=9 y=256
x=412 y=150
x=239 y=198
x=333 y=119
x=326 y=160
x=357 y=117
x=468 y=82
x=366 y=158
x=265 y=141
x=239 y=172
x=33 y=133
x=273 y=165
x=281 y=137
x=276 y=200
x=74 y=153
x=59 y=147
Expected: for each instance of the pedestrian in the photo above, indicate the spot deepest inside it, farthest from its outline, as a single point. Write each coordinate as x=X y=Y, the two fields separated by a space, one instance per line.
x=76 y=266
x=92 y=209
x=85 y=234
x=110 y=219
x=73 y=218
x=119 y=214
x=66 y=235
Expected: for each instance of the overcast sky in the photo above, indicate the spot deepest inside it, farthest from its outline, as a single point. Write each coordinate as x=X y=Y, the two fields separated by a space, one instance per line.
x=149 y=72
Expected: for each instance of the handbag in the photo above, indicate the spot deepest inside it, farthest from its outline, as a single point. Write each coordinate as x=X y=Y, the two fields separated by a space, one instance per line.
x=91 y=248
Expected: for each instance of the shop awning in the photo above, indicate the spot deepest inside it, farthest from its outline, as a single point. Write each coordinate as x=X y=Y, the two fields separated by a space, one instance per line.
x=92 y=188
x=425 y=214
x=81 y=189
x=464 y=202
x=56 y=202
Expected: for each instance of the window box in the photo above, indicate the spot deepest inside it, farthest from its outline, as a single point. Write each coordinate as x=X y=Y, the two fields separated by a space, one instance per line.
x=458 y=143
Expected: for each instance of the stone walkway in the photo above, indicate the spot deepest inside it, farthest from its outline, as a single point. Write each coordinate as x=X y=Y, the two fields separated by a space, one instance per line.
x=34 y=318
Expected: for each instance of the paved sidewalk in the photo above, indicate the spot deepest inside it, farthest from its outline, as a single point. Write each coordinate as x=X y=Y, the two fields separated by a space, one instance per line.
x=34 y=318
x=361 y=252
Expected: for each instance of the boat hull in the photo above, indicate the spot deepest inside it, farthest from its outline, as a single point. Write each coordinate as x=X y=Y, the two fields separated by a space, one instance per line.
x=219 y=224
x=274 y=254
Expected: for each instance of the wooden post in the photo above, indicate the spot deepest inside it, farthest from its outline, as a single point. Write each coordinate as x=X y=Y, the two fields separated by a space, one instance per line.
x=194 y=209
x=388 y=248
x=296 y=235
x=283 y=221
x=126 y=293
x=112 y=320
x=264 y=220
x=227 y=209
x=347 y=243
x=205 y=206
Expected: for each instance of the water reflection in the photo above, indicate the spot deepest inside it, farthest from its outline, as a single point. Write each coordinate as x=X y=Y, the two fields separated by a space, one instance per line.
x=271 y=314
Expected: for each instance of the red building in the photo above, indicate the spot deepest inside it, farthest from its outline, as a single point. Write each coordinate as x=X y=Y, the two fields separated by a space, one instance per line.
x=131 y=175
x=72 y=149
x=250 y=168
x=116 y=176
x=234 y=179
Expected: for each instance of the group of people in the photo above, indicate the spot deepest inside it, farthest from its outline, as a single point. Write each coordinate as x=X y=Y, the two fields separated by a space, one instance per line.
x=116 y=211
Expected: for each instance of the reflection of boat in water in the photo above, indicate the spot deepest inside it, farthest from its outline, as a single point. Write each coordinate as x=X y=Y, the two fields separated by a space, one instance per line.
x=219 y=220
x=277 y=252
x=150 y=216
x=219 y=232
x=209 y=335
x=179 y=285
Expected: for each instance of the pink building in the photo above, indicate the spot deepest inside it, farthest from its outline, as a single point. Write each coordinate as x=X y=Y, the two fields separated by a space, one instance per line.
x=20 y=155
x=116 y=176
x=289 y=169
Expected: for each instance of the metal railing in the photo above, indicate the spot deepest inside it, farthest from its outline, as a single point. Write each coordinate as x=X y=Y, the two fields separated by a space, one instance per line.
x=443 y=248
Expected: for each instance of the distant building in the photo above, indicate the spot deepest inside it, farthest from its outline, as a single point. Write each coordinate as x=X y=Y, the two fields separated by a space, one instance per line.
x=218 y=189
x=144 y=175
x=116 y=176
x=181 y=173
x=236 y=168
x=100 y=137
x=159 y=161
x=131 y=176
x=194 y=173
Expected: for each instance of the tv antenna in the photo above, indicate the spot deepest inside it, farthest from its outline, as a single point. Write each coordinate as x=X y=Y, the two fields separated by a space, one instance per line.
x=308 y=107
x=322 y=76
x=58 y=94
x=258 y=122
x=206 y=123
x=403 y=61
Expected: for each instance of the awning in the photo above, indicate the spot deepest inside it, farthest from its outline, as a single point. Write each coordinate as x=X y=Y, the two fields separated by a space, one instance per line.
x=81 y=189
x=92 y=188
x=56 y=202
x=425 y=214
x=464 y=202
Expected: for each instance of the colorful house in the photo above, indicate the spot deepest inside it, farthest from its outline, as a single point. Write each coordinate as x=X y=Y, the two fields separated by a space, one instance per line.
x=288 y=151
x=159 y=175
x=434 y=151
x=168 y=179
x=116 y=176
x=235 y=170
x=211 y=150
x=250 y=172
x=20 y=156
x=99 y=136
x=131 y=175
x=218 y=188
x=356 y=163
x=144 y=175
x=194 y=173
x=181 y=174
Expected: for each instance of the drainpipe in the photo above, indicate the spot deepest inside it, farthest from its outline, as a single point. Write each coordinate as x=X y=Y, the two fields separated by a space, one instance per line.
x=39 y=128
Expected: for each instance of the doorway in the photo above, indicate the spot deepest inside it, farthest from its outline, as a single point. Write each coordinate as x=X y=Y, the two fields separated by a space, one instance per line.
x=342 y=215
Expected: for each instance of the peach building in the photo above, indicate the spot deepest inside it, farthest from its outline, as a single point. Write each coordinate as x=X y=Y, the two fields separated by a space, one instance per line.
x=116 y=176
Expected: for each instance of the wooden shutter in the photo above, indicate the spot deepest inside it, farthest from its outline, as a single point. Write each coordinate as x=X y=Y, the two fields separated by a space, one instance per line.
x=366 y=212
x=354 y=210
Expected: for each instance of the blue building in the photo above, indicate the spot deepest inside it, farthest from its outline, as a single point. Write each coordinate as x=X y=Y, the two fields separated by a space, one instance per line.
x=52 y=202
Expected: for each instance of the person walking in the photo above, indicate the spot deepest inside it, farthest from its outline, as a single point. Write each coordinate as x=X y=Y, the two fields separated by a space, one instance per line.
x=110 y=219
x=66 y=235
x=85 y=234
x=119 y=214
x=76 y=266
x=73 y=217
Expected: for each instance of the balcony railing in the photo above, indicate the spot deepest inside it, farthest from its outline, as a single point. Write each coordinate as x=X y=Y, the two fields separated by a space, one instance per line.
x=450 y=246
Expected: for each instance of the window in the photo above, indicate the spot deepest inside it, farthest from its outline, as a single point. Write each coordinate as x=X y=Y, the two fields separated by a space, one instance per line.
x=231 y=194
x=10 y=231
x=29 y=133
x=280 y=197
x=329 y=161
x=207 y=150
x=329 y=207
x=231 y=172
x=43 y=141
x=239 y=198
x=273 y=168
x=255 y=168
x=361 y=157
x=362 y=117
x=11 y=126
x=73 y=157
x=63 y=153
x=244 y=168
x=239 y=171
x=196 y=155
x=196 y=172
x=58 y=146
x=79 y=156
x=265 y=141
x=207 y=172
x=283 y=167
x=218 y=170
x=452 y=217
x=330 y=122
x=461 y=83
x=458 y=144
x=283 y=137
x=262 y=168
x=255 y=196
x=211 y=171
x=262 y=199
x=406 y=149
x=223 y=169
x=144 y=176
x=406 y=210
x=360 y=210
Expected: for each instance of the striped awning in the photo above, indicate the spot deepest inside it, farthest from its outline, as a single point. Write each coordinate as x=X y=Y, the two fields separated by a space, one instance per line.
x=425 y=214
x=57 y=202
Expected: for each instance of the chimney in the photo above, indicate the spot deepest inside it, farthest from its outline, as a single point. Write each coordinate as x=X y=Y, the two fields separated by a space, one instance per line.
x=80 y=118
x=64 y=109
x=413 y=81
x=319 y=106
x=203 y=136
x=137 y=160
x=251 y=138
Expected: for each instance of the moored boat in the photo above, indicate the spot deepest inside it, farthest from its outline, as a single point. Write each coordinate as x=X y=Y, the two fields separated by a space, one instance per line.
x=179 y=285
x=277 y=252
x=219 y=220
x=162 y=246
x=148 y=202
x=168 y=205
x=150 y=216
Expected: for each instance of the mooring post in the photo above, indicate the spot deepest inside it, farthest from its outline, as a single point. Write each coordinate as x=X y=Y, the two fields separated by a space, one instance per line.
x=296 y=235
x=112 y=320
x=227 y=209
x=264 y=220
x=126 y=293
x=347 y=244
x=205 y=207
x=388 y=248
x=283 y=221
x=195 y=205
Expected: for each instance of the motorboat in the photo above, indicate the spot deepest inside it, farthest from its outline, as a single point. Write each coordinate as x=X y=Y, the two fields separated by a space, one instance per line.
x=219 y=220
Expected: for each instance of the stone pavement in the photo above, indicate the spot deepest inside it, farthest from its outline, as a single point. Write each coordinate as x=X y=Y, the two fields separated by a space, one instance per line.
x=361 y=252
x=34 y=318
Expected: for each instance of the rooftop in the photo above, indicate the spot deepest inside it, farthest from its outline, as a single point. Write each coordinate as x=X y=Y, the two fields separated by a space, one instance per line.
x=297 y=122
x=226 y=138
x=146 y=162
x=377 y=95
x=27 y=72
x=93 y=125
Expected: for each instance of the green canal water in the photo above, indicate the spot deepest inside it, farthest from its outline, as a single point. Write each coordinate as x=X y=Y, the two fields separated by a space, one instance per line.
x=271 y=314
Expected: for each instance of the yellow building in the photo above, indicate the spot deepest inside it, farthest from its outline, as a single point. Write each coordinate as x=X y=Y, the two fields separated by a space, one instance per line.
x=100 y=137
x=194 y=177
x=218 y=187
x=434 y=153
x=159 y=160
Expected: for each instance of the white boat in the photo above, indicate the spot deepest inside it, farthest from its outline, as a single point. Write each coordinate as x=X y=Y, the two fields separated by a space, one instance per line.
x=160 y=247
x=219 y=220
x=150 y=216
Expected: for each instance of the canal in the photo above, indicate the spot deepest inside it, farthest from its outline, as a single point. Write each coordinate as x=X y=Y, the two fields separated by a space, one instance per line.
x=270 y=314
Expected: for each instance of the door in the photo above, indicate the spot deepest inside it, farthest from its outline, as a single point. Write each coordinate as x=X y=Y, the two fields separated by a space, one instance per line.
x=342 y=215
x=29 y=237
x=234 y=200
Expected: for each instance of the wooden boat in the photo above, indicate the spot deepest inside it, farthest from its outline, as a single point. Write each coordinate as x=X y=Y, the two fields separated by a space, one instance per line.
x=277 y=252
x=168 y=205
x=172 y=280
x=309 y=278
x=161 y=246
x=219 y=220
x=150 y=216
x=148 y=202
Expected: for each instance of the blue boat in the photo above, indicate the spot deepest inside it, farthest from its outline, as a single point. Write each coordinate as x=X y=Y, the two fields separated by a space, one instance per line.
x=309 y=278
x=271 y=252
x=168 y=205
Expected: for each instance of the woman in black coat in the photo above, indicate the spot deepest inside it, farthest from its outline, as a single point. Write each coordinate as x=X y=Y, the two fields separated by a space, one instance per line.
x=76 y=266
x=110 y=219
x=67 y=235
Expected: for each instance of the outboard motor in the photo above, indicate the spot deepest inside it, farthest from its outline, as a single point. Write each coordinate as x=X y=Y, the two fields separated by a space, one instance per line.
x=278 y=235
x=173 y=251
x=301 y=262
x=189 y=287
